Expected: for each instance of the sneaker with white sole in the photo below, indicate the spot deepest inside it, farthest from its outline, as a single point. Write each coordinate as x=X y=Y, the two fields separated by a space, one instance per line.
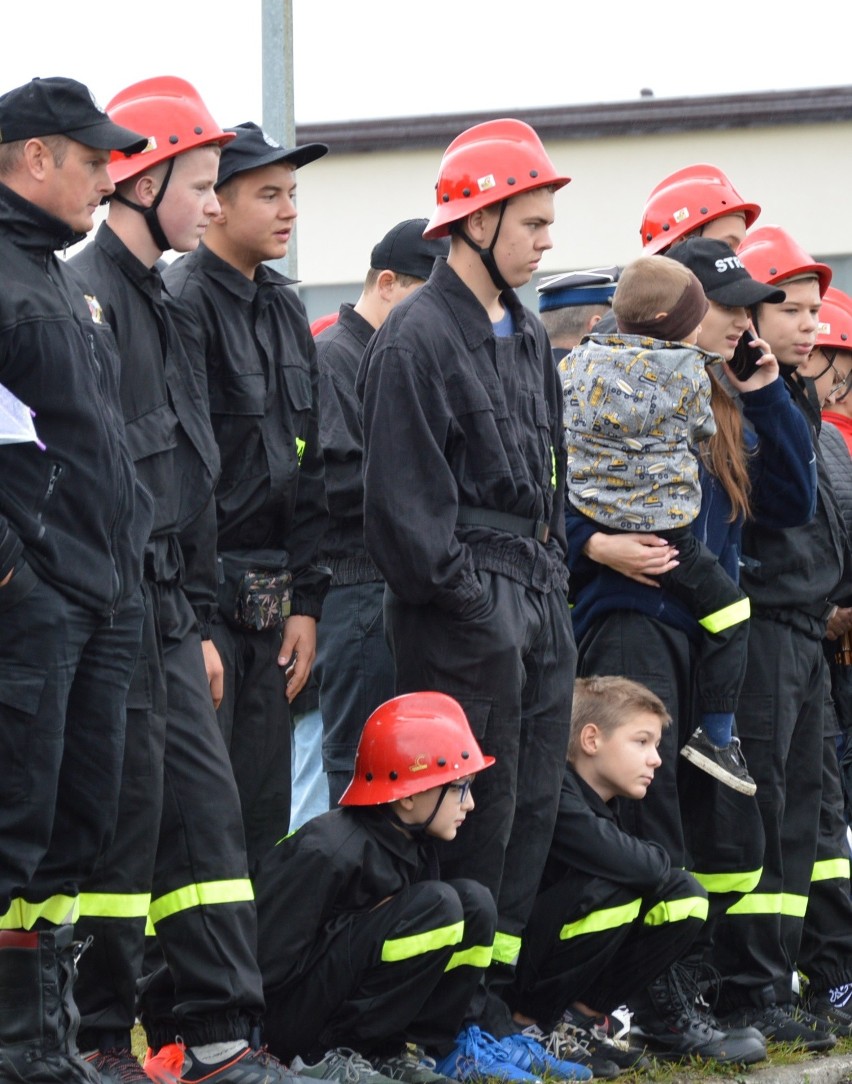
x=342 y=1064
x=724 y=762
x=174 y=1064
x=527 y=1053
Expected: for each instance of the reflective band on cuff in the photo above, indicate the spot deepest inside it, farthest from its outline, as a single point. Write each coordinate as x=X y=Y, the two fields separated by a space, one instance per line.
x=114 y=905
x=831 y=869
x=203 y=895
x=475 y=956
x=676 y=911
x=720 y=883
x=60 y=910
x=730 y=615
x=770 y=903
x=610 y=918
x=418 y=944
x=300 y=449
x=507 y=948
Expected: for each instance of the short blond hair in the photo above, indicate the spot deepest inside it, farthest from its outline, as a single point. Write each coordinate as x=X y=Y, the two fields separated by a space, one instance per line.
x=610 y=702
x=648 y=286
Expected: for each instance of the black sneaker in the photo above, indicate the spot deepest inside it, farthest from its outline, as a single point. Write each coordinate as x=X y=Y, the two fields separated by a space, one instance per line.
x=671 y=1027
x=724 y=762
x=593 y=1032
x=833 y=1016
x=248 y=1066
x=117 y=1067
x=783 y=1024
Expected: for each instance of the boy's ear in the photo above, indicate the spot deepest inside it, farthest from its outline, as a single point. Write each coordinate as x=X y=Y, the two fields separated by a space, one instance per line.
x=406 y=803
x=590 y=739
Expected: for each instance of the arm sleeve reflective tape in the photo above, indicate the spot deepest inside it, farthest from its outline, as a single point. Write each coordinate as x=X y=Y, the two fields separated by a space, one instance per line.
x=730 y=615
x=744 y=881
x=770 y=903
x=676 y=911
x=200 y=895
x=60 y=910
x=418 y=944
x=831 y=869
x=609 y=918
x=114 y=904
x=507 y=948
x=475 y=956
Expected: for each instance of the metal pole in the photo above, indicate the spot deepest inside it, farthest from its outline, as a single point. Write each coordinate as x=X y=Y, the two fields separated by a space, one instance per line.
x=278 y=108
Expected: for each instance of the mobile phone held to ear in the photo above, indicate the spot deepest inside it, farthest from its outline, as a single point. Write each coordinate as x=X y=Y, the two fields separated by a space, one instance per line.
x=744 y=362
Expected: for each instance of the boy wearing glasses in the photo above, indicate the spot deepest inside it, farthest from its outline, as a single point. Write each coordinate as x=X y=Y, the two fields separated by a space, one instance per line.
x=365 y=952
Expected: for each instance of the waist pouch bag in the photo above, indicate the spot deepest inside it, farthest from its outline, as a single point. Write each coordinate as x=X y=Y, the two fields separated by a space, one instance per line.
x=255 y=589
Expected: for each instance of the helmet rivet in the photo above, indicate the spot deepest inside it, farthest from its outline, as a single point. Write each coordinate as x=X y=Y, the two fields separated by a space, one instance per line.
x=666 y=226
x=510 y=180
x=442 y=762
x=465 y=754
x=392 y=775
x=533 y=173
x=197 y=130
x=773 y=270
x=843 y=336
x=446 y=197
x=649 y=237
x=173 y=139
x=369 y=777
x=703 y=211
x=465 y=192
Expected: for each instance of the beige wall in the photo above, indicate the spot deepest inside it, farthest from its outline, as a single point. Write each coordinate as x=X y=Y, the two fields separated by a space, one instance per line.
x=799 y=174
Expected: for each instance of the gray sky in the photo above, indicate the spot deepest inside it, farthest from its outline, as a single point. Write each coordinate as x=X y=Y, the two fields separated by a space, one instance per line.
x=382 y=58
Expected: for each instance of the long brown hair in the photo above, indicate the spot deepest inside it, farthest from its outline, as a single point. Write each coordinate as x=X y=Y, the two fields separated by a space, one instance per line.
x=724 y=454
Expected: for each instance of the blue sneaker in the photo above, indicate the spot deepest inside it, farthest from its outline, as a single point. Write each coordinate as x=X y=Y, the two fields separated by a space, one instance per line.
x=527 y=1053
x=478 y=1055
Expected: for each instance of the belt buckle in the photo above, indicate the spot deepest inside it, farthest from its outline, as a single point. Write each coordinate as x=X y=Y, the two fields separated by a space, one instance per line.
x=542 y=531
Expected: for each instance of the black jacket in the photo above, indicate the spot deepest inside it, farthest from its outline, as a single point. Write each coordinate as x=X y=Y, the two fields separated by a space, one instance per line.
x=168 y=426
x=455 y=417
x=251 y=347
x=791 y=573
x=337 y=864
x=339 y=352
x=75 y=510
x=589 y=841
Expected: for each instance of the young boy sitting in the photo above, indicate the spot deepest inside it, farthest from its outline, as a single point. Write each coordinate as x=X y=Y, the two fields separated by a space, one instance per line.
x=635 y=402
x=362 y=946
x=612 y=916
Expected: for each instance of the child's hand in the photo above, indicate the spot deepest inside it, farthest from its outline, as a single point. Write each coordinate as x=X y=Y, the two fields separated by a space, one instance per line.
x=637 y=556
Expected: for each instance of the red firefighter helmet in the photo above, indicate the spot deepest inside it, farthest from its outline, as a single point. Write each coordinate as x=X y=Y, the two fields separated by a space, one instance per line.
x=410 y=744
x=687 y=200
x=172 y=115
x=771 y=255
x=835 y=321
x=487 y=164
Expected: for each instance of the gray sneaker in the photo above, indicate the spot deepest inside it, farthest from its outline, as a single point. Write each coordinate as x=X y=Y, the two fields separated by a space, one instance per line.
x=411 y=1065
x=341 y=1064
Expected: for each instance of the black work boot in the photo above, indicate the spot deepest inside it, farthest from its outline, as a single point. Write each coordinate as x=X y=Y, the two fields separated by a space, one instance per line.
x=38 y=1016
x=669 y=1023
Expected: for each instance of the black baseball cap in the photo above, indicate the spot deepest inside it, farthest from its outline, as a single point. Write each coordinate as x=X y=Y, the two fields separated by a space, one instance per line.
x=596 y=286
x=722 y=274
x=61 y=106
x=404 y=250
x=254 y=148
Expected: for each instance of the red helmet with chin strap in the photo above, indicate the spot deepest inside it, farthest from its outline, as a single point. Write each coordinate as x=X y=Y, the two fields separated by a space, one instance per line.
x=687 y=200
x=770 y=255
x=410 y=744
x=487 y=164
x=170 y=112
x=835 y=321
